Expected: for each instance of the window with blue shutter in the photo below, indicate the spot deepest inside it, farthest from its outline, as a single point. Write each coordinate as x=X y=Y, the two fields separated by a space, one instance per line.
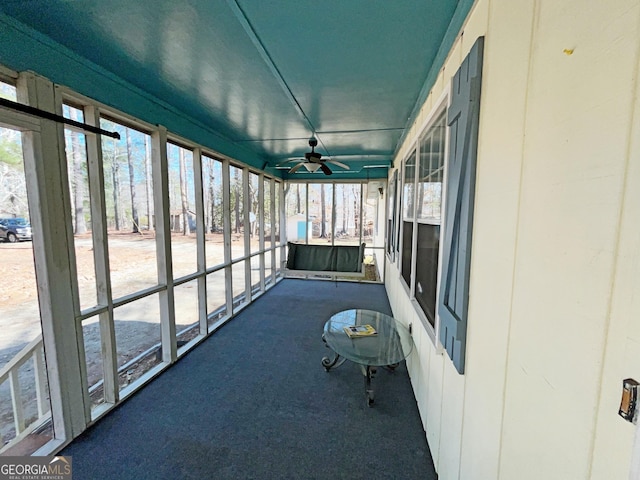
x=431 y=148
x=463 y=119
x=391 y=217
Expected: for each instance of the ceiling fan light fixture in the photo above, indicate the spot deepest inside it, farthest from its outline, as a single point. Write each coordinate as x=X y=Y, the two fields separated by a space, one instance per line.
x=311 y=167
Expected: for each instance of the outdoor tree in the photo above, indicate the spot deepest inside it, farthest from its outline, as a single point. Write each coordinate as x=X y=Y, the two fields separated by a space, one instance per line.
x=268 y=221
x=127 y=177
x=13 y=190
x=210 y=207
x=76 y=156
x=343 y=231
x=323 y=213
x=115 y=177
x=355 y=194
x=184 y=199
x=237 y=197
x=132 y=183
x=148 y=181
x=253 y=201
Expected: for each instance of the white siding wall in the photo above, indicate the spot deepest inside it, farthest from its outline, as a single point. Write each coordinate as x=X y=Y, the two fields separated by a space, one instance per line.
x=554 y=317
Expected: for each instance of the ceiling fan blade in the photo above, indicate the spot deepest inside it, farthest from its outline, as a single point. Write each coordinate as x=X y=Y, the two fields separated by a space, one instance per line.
x=296 y=168
x=291 y=160
x=340 y=164
x=325 y=169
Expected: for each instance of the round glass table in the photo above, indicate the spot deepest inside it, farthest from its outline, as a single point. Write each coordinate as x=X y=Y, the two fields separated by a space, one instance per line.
x=390 y=344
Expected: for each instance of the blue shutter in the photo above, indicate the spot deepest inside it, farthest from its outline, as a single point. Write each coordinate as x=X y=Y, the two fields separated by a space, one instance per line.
x=462 y=118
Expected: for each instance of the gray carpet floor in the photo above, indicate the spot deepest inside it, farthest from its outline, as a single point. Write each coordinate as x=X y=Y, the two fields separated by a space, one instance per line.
x=254 y=402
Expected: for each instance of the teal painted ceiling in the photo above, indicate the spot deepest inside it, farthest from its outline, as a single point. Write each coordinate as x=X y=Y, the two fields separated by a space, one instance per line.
x=264 y=76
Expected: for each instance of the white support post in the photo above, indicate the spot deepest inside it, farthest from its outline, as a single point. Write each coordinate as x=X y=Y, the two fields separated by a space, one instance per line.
x=306 y=215
x=111 y=388
x=163 y=243
x=361 y=222
x=334 y=217
x=247 y=235
x=261 y=232
x=283 y=227
x=272 y=230
x=200 y=241
x=82 y=361
x=226 y=231
x=49 y=207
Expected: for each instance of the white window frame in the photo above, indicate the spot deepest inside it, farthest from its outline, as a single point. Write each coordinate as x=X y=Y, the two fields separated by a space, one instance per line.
x=391 y=238
x=63 y=339
x=435 y=115
x=441 y=104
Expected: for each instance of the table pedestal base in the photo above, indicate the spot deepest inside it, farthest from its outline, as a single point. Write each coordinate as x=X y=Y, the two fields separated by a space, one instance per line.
x=367 y=371
x=329 y=363
x=388 y=345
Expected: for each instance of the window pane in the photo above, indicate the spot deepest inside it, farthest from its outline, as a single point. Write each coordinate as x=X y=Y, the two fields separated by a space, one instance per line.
x=216 y=300
x=212 y=193
x=267 y=269
x=369 y=215
x=13 y=187
x=76 y=151
x=237 y=213
x=254 y=211
x=409 y=187
x=238 y=282
x=19 y=308
x=268 y=221
x=182 y=211
x=407 y=236
x=429 y=200
x=128 y=190
x=391 y=214
x=320 y=212
x=94 y=361
x=296 y=198
x=276 y=220
x=255 y=274
x=347 y=218
x=186 y=304
x=137 y=328
x=8 y=91
x=429 y=197
x=295 y=209
x=427 y=269
x=278 y=254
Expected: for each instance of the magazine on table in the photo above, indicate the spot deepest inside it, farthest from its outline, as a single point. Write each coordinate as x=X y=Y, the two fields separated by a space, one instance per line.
x=357 y=331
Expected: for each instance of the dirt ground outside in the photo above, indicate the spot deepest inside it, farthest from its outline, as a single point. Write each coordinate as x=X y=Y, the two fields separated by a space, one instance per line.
x=133 y=267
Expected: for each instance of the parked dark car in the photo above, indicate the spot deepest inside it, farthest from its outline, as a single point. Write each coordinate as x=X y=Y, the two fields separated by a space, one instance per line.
x=14 y=229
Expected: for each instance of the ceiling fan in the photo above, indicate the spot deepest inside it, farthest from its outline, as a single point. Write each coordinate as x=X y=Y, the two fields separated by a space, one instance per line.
x=313 y=161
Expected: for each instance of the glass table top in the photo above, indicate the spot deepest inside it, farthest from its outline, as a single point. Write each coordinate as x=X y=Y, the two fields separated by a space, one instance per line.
x=391 y=344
